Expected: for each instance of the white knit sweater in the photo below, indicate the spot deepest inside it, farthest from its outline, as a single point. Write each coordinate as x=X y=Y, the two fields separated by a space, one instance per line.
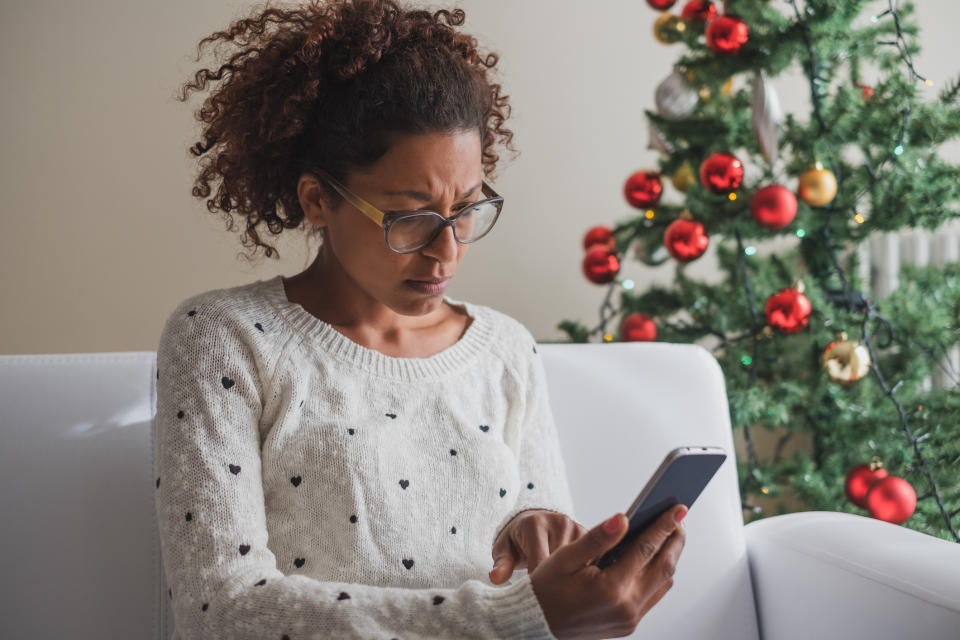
x=310 y=487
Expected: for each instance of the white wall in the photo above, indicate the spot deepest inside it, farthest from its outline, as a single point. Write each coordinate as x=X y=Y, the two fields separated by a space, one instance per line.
x=101 y=237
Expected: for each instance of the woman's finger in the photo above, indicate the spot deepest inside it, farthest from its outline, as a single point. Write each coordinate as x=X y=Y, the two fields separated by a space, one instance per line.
x=536 y=545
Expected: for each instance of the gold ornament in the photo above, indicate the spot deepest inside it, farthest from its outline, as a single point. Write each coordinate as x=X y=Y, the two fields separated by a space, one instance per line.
x=817 y=186
x=668 y=27
x=845 y=361
x=727 y=88
x=684 y=178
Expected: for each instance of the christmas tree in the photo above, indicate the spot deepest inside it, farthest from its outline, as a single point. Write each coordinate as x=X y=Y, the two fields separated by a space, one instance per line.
x=803 y=346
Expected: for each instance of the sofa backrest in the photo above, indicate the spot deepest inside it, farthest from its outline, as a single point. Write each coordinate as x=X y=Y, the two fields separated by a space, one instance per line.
x=82 y=558
x=82 y=553
x=619 y=408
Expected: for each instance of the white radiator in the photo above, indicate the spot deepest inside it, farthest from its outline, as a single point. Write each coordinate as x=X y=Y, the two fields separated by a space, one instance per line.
x=880 y=259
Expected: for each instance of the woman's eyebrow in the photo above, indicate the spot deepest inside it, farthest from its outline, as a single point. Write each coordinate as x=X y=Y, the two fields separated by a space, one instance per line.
x=422 y=196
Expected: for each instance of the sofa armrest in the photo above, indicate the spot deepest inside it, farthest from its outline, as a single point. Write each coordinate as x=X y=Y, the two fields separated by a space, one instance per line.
x=822 y=574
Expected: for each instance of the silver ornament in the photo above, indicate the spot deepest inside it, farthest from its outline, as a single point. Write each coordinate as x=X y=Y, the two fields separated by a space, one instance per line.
x=675 y=98
x=658 y=141
x=654 y=258
x=767 y=116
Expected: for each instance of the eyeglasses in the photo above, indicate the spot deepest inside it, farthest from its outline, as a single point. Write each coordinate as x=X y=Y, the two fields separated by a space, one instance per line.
x=409 y=231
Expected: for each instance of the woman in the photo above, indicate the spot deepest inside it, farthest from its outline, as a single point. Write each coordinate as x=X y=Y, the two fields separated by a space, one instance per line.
x=343 y=453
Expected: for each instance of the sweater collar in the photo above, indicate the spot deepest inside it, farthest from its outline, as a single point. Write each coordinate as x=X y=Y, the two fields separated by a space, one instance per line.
x=327 y=339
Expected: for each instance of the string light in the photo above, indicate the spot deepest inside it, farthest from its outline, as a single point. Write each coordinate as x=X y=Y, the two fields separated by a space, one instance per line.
x=902 y=46
x=801 y=233
x=900 y=43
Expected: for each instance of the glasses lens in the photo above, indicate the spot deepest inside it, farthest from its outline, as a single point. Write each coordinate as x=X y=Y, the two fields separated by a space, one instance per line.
x=414 y=232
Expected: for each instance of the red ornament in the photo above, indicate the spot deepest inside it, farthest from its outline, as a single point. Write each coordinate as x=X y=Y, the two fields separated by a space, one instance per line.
x=699 y=11
x=726 y=34
x=686 y=240
x=891 y=499
x=866 y=91
x=601 y=264
x=599 y=235
x=638 y=327
x=859 y=480
x=661 y=5
x=643 y=189
x=774 y=206
x=788 y=311
x=721 y=173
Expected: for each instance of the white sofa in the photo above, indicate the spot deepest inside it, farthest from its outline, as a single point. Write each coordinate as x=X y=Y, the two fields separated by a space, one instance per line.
x=80 y=556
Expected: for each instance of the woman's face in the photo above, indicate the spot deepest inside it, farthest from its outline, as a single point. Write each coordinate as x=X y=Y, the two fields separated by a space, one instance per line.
x=438 y=172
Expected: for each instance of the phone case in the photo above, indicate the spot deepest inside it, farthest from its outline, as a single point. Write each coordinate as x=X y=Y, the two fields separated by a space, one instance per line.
x=680 y=479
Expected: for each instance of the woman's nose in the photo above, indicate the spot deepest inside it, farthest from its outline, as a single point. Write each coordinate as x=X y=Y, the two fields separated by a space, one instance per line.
x=444 y=246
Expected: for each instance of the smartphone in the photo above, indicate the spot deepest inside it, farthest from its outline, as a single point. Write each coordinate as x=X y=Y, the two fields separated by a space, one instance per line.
x=680 y=478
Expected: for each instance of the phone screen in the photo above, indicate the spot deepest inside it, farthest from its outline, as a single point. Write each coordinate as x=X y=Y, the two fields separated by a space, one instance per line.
x=681 y=478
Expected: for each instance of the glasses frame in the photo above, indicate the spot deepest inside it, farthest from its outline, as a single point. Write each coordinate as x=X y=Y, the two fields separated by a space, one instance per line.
x=386 y=219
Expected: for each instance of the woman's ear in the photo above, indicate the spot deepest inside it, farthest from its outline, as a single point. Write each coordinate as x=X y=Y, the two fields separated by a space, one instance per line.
x=313 y=200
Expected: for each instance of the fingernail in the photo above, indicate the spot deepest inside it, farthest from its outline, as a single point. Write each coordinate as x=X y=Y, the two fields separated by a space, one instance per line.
x=498 y=563
x=611 y=525
x=679 y=515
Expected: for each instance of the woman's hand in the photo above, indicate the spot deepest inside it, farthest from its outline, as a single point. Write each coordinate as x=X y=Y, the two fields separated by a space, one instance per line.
x=581 y=601
x=529 y=538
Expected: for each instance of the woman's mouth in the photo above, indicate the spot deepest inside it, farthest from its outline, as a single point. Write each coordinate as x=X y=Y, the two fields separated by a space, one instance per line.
x=430 y=288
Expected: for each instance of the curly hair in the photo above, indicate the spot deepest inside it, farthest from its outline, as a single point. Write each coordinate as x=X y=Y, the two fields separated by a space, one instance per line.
x=331 y=85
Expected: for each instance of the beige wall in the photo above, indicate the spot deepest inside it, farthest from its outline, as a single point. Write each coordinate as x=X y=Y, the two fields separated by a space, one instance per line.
x=101 y=237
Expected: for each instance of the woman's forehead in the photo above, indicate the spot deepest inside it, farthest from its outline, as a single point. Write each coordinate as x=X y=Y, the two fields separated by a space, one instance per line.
x=425 y=196
x=422 y=166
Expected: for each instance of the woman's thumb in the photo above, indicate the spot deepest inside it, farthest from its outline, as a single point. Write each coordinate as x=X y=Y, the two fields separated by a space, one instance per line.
x=595 y=543
x=502 y=569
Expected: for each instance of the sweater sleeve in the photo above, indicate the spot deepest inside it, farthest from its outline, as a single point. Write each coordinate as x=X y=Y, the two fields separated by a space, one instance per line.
x=209 y=500
x=543 y=474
